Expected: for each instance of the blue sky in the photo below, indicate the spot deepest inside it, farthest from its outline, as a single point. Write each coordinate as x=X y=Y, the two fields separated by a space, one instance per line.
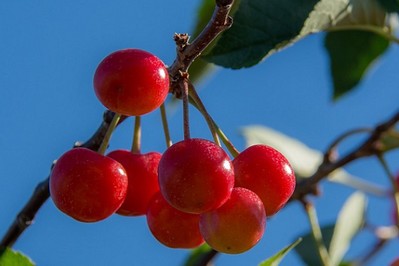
x=48 y=55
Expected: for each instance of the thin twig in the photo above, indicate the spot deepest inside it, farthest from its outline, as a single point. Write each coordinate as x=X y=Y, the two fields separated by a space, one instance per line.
x=329 y=154
x=368 y=148
x=380 y=243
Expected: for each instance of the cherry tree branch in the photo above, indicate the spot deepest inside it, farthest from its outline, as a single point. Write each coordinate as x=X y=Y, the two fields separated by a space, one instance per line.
x=188 y=52
x=42 y=192
x=25 y=217
x=371 y=146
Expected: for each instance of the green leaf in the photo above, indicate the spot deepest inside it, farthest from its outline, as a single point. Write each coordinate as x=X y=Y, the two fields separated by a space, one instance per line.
x=307 y=249
x=350 y=220
x=9 y=257
x=259 y=27
x=390 y=5
x=353 y=44
x=351 y=54
x=197 y=254
x=304 y=159
x=276 y=258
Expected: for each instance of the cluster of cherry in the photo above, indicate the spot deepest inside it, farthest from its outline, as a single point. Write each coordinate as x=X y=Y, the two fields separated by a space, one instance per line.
x=191 y=193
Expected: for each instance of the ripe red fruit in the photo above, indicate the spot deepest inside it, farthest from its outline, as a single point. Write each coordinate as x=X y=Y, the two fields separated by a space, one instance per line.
x=195 y=175
x=266 y=172
x=131 y=82
x=87 y=186
x=171 y=227
x=142 y=172
x=237 y=225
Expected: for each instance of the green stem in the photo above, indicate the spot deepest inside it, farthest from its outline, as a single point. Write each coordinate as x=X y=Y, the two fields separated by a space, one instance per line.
x=229 y=145
x=213 y=127
x=316 y=232
x=165 y=126
x=201 y=107
x=136 y=143
x=186 y=122
x=384 y=32
x=391 y=177
x=107 y=137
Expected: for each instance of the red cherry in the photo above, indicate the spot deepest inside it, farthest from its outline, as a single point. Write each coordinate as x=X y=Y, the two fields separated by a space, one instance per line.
x=131 y=82
x=195 y=176
x=237 y=225
x=266 y=172
x=171 y=227
x=87 y=186
x=142 y=172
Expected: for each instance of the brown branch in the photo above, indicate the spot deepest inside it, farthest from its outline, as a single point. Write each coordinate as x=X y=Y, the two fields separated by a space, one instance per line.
x=369 y=147
x=25 y=217
x=41 y=193
x=188 y=52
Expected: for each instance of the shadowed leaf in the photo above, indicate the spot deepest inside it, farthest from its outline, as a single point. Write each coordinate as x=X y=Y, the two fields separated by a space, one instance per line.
x=351 y=55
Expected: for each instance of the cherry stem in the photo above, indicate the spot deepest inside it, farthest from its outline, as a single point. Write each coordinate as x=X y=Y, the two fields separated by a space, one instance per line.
x=229 y=145
x=316 y=232
x=110 y=130
x=214 y=128
x=165 y=126
x=186 y=122
x=136 y=143
x=391 y=177
x=201 y=107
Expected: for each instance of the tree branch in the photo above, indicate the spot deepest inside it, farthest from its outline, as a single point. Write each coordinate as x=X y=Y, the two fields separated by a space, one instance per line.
x=42 y=192
x=369 y=147
x=188 y=52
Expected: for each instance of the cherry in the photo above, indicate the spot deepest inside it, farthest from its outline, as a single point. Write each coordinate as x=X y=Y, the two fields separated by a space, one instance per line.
x=87 y=186
x=171 y=227
x=195 y=175
x=142 y=172
x=237 y=225
x=131 y=82
x=266 y=172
